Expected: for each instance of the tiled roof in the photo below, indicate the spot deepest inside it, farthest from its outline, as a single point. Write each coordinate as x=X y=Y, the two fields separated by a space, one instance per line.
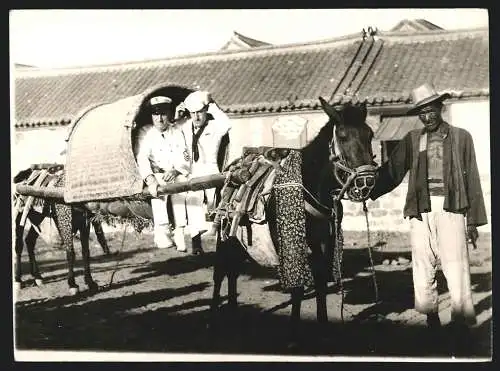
x=380 y=70
x=455 y=62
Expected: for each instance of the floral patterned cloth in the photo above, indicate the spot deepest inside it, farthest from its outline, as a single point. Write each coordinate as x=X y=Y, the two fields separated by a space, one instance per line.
x=293 y=270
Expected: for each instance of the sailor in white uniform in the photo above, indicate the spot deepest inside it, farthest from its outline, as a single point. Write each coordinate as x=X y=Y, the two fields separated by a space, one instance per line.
x=162 y=157
x=203 y=131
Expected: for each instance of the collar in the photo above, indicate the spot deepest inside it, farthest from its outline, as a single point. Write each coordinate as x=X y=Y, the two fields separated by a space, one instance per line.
x=204 y=127
x=169 y=129
x=443 y=130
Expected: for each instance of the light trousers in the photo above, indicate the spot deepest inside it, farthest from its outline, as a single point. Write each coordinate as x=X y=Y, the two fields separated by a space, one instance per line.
x=196 y=210
x=159 y=206
x=441 y=235
x=194 y=199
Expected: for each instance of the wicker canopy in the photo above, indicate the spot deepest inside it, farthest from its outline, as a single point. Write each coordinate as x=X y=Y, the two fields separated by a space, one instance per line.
x=100 y=162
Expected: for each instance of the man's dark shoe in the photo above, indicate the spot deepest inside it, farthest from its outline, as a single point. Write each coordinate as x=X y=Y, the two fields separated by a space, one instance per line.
x=196 y=245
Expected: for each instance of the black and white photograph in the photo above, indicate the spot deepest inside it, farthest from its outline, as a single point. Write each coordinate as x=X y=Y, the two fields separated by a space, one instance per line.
x=283 y=185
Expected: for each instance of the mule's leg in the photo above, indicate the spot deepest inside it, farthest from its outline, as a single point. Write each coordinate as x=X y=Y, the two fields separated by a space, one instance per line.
x=319 y=270
x=219 y=274
x=64 y=222
x=297 y=295
x=232 y=290
x=218 y=277
x=31 y=238
x=19 y=245
x=101 y=238
x=84 y=226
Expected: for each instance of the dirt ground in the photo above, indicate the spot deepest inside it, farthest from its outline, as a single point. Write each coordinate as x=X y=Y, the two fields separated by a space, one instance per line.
x=153 y=300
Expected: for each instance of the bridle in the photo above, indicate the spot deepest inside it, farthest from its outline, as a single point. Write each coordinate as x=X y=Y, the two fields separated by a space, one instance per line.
x=357 y=183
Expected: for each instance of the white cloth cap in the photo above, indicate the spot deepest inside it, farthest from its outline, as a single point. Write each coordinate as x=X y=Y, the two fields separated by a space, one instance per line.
x=197 y=100
x=159 y=100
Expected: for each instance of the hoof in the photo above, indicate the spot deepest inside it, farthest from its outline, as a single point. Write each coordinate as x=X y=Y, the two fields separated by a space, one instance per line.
x=93 y=287
x=38 y=282
x=18 y=285
x=73 y=290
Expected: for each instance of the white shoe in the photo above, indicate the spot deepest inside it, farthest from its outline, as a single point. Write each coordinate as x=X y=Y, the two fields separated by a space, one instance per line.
x=162 y=239
x=212 y=230
x=179 y=239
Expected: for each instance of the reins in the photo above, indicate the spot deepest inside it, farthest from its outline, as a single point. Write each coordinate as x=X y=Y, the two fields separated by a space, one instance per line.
x=339 y=163
x=372 y=265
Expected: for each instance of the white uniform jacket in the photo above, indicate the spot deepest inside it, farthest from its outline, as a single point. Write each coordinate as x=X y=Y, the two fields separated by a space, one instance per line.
x=163 y=150
x=209 y=141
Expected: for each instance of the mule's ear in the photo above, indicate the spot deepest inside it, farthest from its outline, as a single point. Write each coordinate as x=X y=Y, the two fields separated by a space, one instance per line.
x=329 y=110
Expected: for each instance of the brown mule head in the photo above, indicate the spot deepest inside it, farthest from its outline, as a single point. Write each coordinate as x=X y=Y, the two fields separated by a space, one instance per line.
x=351 y=151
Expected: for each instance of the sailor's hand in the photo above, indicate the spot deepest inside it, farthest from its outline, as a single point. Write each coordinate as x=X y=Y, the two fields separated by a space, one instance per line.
x=213 y=108
x=153 y=189
x=180 y=111
x=186 y=155
x=152 y=184
x=171 y=175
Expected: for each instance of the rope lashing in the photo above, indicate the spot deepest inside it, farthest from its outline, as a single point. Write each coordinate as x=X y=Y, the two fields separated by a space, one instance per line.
x=339 y=243
x=372 y=265
x=118 y=260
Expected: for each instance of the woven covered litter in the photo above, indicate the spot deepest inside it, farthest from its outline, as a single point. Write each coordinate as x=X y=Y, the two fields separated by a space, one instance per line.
x=100 y=161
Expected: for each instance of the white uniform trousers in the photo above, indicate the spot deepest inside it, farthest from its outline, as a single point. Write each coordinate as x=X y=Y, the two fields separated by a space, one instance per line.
x=196 y=210
x=160 y=215
x=441 y=235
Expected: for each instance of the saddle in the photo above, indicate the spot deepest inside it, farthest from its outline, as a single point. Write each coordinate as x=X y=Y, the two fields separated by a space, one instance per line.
x=42 y=175
x=241 y=210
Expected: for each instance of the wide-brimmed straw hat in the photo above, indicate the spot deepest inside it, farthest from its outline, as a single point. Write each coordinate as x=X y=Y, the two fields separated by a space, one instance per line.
x=424 y=95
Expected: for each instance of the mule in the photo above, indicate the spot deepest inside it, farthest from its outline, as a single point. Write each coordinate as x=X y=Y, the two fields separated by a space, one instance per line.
x=80 y=221
x=337 y=164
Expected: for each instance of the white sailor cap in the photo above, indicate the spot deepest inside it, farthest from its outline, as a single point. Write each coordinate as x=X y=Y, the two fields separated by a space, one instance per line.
x=197 y=100
x=155 y=101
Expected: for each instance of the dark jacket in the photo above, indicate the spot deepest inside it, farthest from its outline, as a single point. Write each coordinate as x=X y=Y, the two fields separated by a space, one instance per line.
x=463 y=193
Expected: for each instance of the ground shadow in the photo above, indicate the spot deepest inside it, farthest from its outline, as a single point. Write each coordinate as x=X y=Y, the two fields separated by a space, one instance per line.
x=115 y=325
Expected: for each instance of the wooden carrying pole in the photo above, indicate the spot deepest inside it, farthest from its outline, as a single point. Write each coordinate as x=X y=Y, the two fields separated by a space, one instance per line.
x=194 y=184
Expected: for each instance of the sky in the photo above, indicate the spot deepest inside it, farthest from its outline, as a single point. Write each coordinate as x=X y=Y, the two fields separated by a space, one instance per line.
x=77 y=38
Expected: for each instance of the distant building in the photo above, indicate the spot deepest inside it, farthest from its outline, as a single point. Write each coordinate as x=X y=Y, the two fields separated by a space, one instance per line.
x=21 y=66
x=415 y=25
x=240 y=42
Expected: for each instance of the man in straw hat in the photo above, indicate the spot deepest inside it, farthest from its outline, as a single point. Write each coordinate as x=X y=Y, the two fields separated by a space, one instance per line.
x=162 y=158
x=444 y=204
x=204 y=131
